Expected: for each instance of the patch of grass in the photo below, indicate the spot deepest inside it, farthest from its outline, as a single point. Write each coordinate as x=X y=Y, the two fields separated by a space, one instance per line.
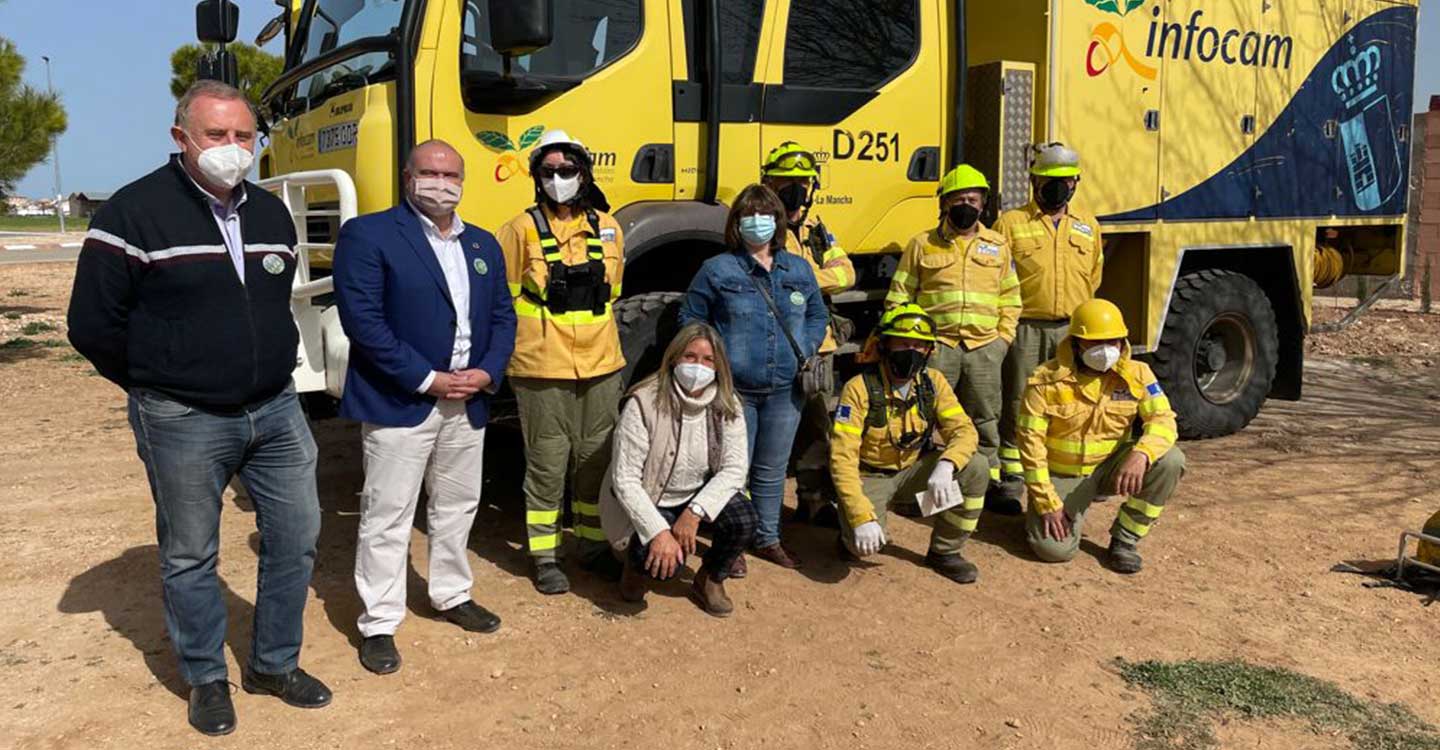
x=37 y=327
x=12 y=315
x=73 y=357
x=18 y=343
x=17 y=293
x=49 y=223
x=1189 y=696
x=53 y=343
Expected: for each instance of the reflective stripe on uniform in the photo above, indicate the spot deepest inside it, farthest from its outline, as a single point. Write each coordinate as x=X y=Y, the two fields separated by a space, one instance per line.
x=544 y=542
x=965 y=318
x=1037 y=475
x=541 y=517
x=841 y=278
x=1154 y=405
x=514 y=290
x=963 y=523
x=528 y=309
x=1071 y=470
x=1039 y=423
x=590 y=533
x=1087 y=449
x=589 y=509
x=833 y=254
x=1131 y=525
x=930 y=300
x=848 y=428
x=1160 y=430
x=974 y=503
x=1144 y=508
x=994 y=473
x=952 y=411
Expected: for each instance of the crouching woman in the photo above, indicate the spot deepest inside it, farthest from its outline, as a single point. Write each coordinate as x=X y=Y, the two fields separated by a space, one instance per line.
x=679 y=461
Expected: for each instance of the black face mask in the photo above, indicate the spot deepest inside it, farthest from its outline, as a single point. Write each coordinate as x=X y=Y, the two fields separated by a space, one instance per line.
x=1054 y=194
x=793 y=197
x=905 y=363
x=962 y=216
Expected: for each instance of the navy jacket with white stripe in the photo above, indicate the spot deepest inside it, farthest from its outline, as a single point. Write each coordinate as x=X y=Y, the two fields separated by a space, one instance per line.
x=157 y=303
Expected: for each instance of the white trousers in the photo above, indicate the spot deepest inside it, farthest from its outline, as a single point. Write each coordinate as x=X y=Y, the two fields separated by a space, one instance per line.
x=447 y=454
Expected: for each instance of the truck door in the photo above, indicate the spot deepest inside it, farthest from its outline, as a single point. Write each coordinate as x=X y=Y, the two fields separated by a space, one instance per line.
x=861 y=83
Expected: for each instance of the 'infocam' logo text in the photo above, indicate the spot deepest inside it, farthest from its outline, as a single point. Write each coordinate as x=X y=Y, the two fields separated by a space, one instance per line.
x=1191 y=40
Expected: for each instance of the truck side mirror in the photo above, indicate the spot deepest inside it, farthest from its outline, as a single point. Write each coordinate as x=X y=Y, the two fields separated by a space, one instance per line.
x=216 y=21
x=519 y=27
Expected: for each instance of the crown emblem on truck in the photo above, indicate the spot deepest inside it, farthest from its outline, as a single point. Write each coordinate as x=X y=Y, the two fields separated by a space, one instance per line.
x=1356 y=78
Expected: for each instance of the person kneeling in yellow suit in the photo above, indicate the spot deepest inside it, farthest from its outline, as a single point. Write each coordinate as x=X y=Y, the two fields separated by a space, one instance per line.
x=1075 y=434
x=884 y=422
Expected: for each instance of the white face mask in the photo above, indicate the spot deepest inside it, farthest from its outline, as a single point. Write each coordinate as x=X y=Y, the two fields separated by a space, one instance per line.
x=435 y=196
x=224 y=165
x=1101 y=358
x=693 y=376
x=560 y=189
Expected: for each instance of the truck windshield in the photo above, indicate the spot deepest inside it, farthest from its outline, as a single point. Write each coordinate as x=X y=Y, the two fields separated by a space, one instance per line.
x=338 y=22
x=588 y=34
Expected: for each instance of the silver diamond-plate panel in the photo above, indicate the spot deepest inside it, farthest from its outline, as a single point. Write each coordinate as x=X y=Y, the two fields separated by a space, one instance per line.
x=1018 y=109
x=984 y=100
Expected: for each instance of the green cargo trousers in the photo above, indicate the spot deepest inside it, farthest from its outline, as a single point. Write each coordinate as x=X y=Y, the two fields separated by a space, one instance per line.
x=1035 y=343
x=1135 y=517
x=975 y=374
x=566 y=427
x=952 y=527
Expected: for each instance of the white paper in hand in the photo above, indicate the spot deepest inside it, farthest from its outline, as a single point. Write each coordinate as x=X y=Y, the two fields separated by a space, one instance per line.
x=929 y=506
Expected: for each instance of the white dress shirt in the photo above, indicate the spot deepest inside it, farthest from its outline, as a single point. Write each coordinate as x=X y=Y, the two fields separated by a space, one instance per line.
x=227 y=218
x=451 y=254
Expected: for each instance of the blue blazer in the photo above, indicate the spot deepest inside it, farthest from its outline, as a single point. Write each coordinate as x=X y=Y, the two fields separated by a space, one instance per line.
x=395 y=307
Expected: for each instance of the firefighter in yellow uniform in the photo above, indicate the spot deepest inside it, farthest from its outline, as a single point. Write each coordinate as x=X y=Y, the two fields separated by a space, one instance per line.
x=564 y=258
x=1075 y=431
x=1058 y=257
x=794 y=175
x=886 y=420
x=961 y=273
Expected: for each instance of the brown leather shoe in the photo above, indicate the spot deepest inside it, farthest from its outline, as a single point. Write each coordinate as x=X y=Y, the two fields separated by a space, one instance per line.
x=710 y=595
x=739 y=569
x=777 y=554
x=632 y=583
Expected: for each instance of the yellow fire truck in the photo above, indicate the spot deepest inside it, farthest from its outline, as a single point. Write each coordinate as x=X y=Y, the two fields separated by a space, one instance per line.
x=1226 y=144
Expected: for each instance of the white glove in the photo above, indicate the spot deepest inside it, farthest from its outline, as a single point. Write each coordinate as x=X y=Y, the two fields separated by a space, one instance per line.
x=869 y=537
x=942 y=485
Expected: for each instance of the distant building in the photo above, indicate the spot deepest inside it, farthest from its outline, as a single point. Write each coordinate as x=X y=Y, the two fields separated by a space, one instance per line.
x=84 y=205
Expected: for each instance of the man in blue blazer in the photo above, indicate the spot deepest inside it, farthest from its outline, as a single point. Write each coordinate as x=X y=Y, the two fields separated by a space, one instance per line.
x=423 y=298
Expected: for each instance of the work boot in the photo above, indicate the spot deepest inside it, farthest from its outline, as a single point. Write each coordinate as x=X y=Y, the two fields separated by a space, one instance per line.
x=739 y=569
x=549 y=579
x=953 y=566
x=604 y=565
x=777 y=554
x=710 y=594
x=296 y=687
x=632 y=583
x=1122 y=557
x=1003 y=498
x=211 y=710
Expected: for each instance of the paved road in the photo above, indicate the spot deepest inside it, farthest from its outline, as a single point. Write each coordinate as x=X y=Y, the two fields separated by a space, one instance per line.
x=39 y=255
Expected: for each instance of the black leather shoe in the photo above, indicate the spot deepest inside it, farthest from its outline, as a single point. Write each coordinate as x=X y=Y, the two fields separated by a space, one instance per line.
x=294 y=687
x=211 y=710
x=378 y=654
x=472 y=617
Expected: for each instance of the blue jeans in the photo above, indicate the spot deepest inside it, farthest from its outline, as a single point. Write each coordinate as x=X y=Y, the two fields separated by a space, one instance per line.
x=189 y=457
x=770 y=423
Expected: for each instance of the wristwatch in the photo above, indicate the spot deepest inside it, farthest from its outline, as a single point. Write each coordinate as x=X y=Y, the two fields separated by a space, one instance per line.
x=693 y=508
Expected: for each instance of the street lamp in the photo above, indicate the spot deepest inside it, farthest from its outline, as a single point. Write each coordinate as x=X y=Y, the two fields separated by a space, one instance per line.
x=55 y=153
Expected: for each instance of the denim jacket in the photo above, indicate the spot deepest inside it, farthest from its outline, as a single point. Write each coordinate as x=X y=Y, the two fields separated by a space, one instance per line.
x=760 y=356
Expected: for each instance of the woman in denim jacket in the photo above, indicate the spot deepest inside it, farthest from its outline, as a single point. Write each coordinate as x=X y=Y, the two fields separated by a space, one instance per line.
x=726 y=294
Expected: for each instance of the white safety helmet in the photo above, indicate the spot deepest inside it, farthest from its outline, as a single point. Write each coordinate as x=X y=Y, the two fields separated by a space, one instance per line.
x=559 y=138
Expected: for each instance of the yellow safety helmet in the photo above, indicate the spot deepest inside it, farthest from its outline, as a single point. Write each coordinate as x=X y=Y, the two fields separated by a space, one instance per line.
x=1054 y=159
x=963 y=177
x=1098 y=320
x=789 y=159
x=907 y=321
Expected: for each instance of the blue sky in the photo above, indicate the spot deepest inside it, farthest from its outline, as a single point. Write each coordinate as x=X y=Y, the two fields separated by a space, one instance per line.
x=111 y=64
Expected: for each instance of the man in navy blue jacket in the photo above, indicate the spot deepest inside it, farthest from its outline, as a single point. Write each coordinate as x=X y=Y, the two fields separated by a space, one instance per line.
x=423 y=298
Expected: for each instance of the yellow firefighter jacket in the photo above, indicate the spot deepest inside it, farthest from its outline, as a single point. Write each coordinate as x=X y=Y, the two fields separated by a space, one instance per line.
x=968 y=287
x=1059 y=266
x=1071 y=421
x=860 y=444
x=834 y=273
x=567 y=346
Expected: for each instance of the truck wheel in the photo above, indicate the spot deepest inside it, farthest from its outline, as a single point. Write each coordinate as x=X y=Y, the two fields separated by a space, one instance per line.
x=1218 y=351
x=647 y=322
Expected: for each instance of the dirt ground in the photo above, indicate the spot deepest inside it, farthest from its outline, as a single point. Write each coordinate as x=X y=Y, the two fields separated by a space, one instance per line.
x=873 y=656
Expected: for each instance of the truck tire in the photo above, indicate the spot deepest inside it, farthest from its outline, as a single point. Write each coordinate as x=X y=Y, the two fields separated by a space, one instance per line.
x=1218 y=352
x=647 y=322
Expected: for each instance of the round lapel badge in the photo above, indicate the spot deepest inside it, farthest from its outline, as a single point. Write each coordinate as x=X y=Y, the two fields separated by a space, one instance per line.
x=274 y=264
x=797 y=298
x=480 y=266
